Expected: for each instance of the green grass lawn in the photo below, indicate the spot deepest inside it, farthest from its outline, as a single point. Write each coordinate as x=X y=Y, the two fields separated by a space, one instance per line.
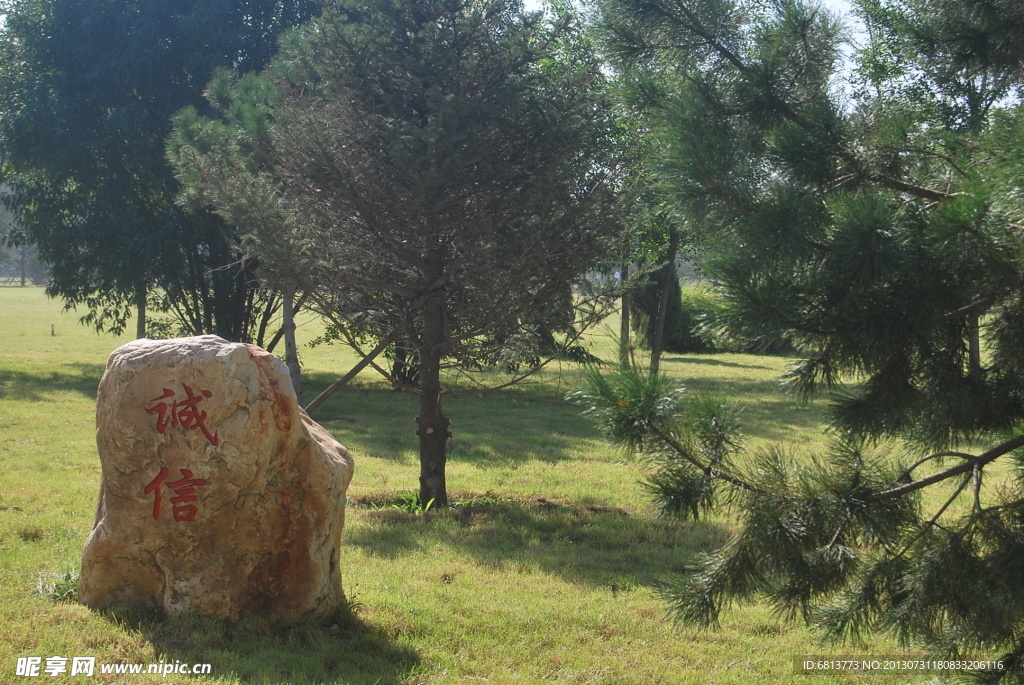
x=547 y=571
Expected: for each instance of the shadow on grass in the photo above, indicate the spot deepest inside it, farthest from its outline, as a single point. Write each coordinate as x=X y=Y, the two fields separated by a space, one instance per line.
x=583 y=543
x=488 y=428
x=40 y=386
x=346 y=650
x=777 y=419
x=519 y=424
x=766 y=412
x=710 y=361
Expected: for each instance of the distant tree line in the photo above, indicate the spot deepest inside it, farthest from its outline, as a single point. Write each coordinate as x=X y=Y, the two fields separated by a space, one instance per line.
x=19 y=263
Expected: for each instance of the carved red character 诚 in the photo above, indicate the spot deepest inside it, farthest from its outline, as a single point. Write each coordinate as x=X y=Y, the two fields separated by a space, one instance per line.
x=185 y=413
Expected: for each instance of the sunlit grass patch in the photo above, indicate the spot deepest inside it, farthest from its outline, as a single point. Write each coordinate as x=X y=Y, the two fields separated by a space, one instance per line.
x=547 y=569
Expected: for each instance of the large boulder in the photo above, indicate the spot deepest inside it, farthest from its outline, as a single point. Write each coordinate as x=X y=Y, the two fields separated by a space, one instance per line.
x=219 y=496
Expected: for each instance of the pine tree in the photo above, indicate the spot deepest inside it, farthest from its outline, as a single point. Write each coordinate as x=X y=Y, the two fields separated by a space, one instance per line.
x=878 y=230
x=435 y=173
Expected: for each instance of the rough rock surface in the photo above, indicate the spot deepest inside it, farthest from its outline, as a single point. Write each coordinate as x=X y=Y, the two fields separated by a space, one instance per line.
x=219 y=496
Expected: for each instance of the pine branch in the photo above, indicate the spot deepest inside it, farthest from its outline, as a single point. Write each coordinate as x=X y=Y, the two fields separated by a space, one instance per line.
x=839 y=531
x=937 y=155
x=691 y=23
x=517 y=378
x=924 y=460
x=280 y=332
x=909 y=188
x=351 y=342
x=842 y=181
x=933 y=522
x=366 y=360
x=392 y=288
x=969 y=465
x=979 y=306
x=707 y=469
x=976 y=477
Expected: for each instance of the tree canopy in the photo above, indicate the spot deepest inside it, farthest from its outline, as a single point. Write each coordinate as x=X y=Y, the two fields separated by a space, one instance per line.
x=436 y=172
x=87 y=92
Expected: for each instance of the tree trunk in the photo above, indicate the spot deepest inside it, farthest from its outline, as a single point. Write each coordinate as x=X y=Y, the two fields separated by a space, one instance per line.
x=280 y=331
x=974 y=344
x=666 y=288
x=432 y=424
x=140 y=311
x=624 y=324
x=291 y=353
x=23 y=251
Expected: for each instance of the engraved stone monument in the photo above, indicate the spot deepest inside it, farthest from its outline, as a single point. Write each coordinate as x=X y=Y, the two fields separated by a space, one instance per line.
x=219 y=495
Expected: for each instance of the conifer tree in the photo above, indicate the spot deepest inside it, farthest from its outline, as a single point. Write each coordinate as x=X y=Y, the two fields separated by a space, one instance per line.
x=433 y=172
x=879 y=230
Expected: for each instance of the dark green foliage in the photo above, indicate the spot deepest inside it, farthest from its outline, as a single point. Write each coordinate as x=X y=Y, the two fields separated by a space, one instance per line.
x=868 y=236
x=878 y=230
x=700 y=307
x=952 y=59
x=683 y=318
x=415 y=136
x=709 y=311
x=805 y=528
x=710 y=430
x=842 y=541
x=87 y=92
x=678 y=330
x=829 y=235
x=699 y=323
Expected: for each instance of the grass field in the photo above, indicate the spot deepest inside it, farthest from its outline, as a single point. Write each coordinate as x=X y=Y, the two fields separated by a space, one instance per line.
x=547 y=571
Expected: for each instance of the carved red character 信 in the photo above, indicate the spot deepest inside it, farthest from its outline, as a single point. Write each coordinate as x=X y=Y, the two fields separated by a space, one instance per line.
x=184 y=490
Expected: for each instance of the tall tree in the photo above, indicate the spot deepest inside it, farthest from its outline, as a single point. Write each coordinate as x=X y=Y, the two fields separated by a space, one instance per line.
x=669 y=288
x=876 y=230
x=87 y=89
x=430 y=171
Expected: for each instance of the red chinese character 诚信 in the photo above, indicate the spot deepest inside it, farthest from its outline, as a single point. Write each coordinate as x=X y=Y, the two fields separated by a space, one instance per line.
x=185 y=413
x=184 y=489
